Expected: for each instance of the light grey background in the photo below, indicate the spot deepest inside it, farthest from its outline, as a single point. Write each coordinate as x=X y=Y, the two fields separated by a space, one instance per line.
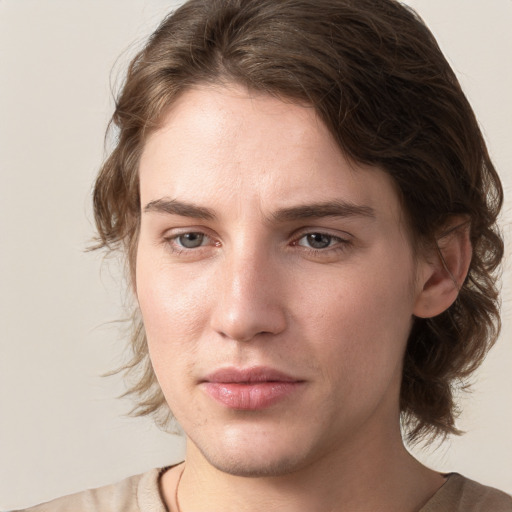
x=61 y=427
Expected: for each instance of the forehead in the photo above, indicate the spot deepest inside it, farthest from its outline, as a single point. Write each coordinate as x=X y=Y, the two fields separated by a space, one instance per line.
x=217 y=141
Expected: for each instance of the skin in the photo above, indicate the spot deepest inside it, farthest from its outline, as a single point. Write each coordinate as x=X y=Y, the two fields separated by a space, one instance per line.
x=248 y=289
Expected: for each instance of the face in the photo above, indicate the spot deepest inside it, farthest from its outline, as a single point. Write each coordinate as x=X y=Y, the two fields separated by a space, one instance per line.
x=276 y=283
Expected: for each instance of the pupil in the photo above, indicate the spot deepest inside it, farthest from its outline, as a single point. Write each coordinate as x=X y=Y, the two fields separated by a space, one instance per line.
x=191 y=240
x=319 y=241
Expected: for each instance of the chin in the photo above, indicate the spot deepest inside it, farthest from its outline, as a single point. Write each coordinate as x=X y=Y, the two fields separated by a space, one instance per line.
x=255 y=453
x=254 y=466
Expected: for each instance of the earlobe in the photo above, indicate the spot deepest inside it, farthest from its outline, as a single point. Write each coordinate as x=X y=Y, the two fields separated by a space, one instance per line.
x=446 y=269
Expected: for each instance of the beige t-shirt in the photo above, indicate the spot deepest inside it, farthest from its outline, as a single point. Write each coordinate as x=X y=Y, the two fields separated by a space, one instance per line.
x=141 y=494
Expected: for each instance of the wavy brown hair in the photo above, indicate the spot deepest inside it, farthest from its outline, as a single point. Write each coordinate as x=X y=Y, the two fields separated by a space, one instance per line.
x=377 y=78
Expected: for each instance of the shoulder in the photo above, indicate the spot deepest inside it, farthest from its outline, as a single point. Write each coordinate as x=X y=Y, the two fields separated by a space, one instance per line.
x=462 y=494
x=138 y=493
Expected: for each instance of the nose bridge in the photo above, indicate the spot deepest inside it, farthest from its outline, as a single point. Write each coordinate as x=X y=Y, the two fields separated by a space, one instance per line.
x=249 y=301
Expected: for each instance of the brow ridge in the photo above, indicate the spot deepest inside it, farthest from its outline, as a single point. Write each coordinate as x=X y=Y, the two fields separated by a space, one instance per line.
x=335 y=208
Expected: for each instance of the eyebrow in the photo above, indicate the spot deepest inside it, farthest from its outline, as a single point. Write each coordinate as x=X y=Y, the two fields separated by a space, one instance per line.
x=175 y=207
x=340 y=209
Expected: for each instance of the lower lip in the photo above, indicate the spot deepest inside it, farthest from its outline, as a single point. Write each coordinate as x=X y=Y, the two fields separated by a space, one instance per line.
x=250 y=396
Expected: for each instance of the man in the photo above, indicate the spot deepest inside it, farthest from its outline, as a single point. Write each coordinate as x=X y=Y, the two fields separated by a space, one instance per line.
x=308 y=210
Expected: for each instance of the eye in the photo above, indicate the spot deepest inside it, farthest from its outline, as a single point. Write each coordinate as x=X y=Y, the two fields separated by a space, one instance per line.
x=190 y=240
x=189 y=245
x=318 y=240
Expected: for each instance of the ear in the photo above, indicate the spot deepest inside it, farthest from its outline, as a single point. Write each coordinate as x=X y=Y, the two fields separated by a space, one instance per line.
x=442 y=274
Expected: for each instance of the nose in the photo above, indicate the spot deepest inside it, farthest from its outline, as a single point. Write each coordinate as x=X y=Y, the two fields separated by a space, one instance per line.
x=250 y=302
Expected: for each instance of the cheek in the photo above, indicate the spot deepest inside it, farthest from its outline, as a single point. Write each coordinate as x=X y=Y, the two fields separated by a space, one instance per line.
x=361 y=319
x=172 y=308
x=172 y=320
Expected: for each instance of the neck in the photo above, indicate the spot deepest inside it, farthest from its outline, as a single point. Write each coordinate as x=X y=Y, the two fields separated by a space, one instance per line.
x=369 y=476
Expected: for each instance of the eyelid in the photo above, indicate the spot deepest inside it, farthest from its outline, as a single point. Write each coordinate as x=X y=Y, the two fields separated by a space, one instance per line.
x=334 y=233
x=331 y=237
x=183 y=230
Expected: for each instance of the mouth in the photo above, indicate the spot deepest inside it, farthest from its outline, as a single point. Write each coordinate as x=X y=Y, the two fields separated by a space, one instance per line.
x=249 y=389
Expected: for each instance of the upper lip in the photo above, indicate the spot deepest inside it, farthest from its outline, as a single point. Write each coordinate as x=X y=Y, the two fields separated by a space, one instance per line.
x=248 y=375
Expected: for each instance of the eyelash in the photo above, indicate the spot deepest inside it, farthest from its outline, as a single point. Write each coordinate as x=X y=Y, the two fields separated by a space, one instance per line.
x=170 y=242
x=336 y=243
x=339 y=244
